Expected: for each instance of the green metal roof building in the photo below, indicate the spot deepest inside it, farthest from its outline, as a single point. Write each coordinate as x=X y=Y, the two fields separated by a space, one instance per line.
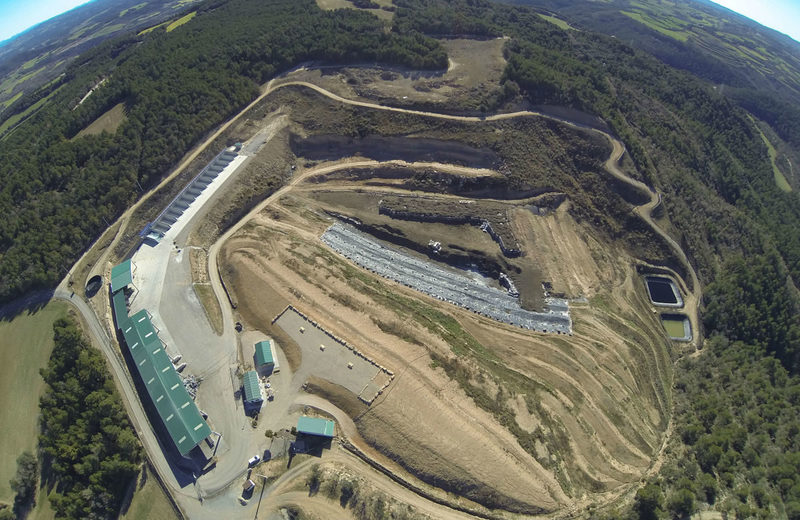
x=176 y=408
x=121 y=276
x=264 y=353
x=120 y=307
x=315 y=426
x=252 y=388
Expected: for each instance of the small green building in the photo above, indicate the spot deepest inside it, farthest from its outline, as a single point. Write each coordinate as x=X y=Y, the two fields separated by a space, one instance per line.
x=264 y=355
x=251 y=387
x=315 y=426
x=121 y=276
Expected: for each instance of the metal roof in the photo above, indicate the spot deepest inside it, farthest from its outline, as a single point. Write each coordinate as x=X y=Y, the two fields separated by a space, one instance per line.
x=121 y=276
x=120 y=309
x=178 y=411
x=252 y=387
x=315 y=426
x=264 y=353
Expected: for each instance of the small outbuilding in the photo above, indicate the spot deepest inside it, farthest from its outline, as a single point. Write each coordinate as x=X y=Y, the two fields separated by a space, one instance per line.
x=251 y=387
x=121 y=276
x=265 y=358
x=315 y=426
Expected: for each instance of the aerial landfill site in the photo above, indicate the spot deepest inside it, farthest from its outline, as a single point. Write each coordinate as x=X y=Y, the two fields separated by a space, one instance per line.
x=458 y=288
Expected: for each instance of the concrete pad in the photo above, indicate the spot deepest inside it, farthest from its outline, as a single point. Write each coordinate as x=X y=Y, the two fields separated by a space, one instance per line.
x=325 y=357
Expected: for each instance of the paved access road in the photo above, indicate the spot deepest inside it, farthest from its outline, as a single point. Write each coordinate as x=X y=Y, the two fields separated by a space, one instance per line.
x=188 y=499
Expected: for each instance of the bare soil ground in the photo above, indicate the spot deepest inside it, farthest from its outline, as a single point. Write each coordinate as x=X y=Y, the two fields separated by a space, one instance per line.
x=473 y=77
x=596 y=399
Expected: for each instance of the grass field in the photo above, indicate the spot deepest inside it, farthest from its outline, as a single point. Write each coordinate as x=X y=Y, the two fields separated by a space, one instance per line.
x=8 y=102
x=153 y=28
x=557 y=21
x=657 y=25
x=210 y=304
x=132 y=8
x=780 y=179
x=25 y=346
x=180 y=21
x=149 y=501
x=329 y=5
x=108 y=122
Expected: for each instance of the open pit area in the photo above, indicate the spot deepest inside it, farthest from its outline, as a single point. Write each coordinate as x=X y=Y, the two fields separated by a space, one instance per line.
x=475 y=409
x=468 y=290
x=506 y=417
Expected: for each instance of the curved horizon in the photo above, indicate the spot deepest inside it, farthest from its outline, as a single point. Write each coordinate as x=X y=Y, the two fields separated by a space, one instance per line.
x=16 y=18
x=780 y=15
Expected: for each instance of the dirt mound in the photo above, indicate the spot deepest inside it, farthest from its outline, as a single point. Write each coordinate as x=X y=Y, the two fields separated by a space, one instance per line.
x=328 y=147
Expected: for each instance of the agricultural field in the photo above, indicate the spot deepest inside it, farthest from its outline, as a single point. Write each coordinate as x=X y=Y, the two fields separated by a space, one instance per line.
x=25 y=345
x=180 y=21
x=12 y=121
x=149 y=501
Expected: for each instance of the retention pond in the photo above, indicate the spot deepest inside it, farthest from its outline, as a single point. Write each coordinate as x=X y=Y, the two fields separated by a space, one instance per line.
x=677 y=326
x=663 y=291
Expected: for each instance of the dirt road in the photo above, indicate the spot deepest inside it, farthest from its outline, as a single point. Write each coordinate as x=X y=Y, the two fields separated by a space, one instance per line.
x=102 y=336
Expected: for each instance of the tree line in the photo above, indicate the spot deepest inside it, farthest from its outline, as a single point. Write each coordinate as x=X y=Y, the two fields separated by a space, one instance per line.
x=88 y=454
x=736 y=415
x=58 y=192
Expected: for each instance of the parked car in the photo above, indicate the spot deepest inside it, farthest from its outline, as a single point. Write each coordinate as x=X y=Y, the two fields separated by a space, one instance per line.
x=253 y=461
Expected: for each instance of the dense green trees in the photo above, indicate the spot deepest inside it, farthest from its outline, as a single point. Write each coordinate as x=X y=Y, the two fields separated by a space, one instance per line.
x=86 y=438
x=24 y=481
x=752 y=301
x=57 y=193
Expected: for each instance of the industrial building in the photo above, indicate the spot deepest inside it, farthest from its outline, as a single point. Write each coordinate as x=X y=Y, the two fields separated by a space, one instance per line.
x=156 y=230
x=315 y=426
x=265 y=359
x=251 y=392
x=177 y=410
x=122 y=276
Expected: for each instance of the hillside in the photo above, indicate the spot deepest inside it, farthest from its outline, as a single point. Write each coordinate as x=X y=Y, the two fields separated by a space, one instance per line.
x=700 y=108
x=42 y=53
x=756 y=67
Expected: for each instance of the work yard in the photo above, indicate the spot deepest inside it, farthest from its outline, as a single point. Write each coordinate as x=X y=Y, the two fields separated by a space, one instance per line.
x=327 y=357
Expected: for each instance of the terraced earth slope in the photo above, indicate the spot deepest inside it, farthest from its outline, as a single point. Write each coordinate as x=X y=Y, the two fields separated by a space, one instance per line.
x=506 y=418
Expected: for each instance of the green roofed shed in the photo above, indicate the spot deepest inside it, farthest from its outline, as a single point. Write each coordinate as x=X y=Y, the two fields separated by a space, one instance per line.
x=264 y=353
x=315 y=426
x=179 y=413
x=120 y=309
x=252 y=388
x=121 y=276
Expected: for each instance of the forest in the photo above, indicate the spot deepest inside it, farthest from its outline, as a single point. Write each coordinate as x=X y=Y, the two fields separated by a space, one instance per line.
x=89 y=450
x=737 y=405
x=58 y=193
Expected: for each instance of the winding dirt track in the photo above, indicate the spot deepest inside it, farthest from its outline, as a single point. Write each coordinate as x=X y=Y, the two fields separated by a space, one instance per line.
x=611 y=166
x=91 y=317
